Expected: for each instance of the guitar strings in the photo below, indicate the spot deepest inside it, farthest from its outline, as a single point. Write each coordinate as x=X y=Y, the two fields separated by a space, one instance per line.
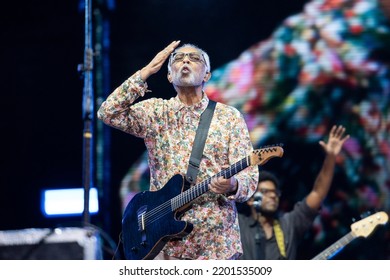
x=193 y=192
x=197 y=190
x=185 y=197
x=178 y=199
x=335 y=248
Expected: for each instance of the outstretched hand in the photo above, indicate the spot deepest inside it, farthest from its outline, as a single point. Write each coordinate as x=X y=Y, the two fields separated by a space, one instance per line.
x=336 y=140
x=157 y=62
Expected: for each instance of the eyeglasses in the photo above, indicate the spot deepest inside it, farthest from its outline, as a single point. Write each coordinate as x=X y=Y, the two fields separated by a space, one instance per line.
x=276 y=192
x=192 y=56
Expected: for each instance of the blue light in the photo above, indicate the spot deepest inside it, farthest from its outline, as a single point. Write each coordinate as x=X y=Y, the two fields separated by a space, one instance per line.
x=68 y=202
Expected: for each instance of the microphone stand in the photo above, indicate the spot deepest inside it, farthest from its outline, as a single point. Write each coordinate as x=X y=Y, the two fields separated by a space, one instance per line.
x=88 y=111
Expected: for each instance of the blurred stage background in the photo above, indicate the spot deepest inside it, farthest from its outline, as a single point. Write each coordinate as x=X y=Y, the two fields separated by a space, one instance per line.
x=293 y=68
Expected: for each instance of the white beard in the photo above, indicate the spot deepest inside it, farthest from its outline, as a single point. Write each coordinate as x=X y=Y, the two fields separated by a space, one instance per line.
x=186 y=80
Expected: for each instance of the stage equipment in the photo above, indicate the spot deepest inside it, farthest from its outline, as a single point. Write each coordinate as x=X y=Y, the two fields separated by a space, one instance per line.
x=68 y=243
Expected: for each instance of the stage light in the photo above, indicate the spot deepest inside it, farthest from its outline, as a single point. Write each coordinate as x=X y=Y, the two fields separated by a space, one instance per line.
x=68 y=202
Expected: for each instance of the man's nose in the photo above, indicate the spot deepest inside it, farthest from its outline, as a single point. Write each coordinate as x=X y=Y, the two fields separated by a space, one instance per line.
x=186 y=59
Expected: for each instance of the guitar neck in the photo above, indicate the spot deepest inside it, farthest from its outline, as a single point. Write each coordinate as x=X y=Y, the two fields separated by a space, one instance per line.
x=332 y=250
x=201 y=188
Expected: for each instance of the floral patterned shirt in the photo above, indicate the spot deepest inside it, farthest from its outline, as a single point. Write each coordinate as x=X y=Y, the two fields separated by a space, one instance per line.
x=168 y=128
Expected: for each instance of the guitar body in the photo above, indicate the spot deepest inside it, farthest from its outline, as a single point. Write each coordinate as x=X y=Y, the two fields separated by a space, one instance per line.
x=151 y=219
x=145 y=236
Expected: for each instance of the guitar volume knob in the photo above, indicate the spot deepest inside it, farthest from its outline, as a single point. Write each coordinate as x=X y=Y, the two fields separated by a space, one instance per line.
x=134 y=249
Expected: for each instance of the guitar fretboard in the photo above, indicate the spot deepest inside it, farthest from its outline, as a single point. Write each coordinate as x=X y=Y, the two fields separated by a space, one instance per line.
x=335 y=248
x=199 y=189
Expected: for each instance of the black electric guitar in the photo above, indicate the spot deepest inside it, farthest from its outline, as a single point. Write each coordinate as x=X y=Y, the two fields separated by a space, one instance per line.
x=151 y=219
x=362 y=228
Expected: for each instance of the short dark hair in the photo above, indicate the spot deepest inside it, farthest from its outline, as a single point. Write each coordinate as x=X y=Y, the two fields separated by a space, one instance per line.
x=268 y=176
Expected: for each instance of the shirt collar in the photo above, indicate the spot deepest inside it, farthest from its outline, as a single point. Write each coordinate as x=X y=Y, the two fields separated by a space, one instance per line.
x=197 y=108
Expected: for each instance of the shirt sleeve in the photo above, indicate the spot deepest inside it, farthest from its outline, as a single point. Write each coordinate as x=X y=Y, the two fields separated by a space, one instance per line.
x=240 y=147
x=118 y=110
x=302 y=217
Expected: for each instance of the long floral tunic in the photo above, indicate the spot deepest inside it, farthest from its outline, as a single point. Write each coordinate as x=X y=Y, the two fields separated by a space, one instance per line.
x=168 y=128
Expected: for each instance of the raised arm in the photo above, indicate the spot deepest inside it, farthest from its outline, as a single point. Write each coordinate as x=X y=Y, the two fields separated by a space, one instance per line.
x=118 y=110
x=324 y=178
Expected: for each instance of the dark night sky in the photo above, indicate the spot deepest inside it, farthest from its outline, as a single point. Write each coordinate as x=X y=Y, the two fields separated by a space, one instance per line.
x=41 y=116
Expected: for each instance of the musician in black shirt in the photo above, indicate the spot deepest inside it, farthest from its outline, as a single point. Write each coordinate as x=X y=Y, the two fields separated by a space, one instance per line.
x=264 y=235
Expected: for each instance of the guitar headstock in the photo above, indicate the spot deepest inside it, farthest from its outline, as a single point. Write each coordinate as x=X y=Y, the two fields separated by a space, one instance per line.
x=365 y=227
x=261 y=156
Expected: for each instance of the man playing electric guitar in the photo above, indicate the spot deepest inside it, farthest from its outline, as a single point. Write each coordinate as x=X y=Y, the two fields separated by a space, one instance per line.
x=168 y=128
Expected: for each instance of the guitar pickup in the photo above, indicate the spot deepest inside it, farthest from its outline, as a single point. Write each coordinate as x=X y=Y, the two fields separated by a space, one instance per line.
x=141 y=218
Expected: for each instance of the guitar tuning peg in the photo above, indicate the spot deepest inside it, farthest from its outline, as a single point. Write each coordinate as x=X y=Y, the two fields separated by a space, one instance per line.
x=365 y=214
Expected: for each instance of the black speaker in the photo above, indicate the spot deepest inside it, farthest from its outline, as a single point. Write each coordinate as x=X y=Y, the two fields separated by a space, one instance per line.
x=50 y=244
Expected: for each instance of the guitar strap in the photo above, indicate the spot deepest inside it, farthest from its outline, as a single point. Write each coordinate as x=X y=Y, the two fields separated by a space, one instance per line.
x=279 y=238
x=199 y=142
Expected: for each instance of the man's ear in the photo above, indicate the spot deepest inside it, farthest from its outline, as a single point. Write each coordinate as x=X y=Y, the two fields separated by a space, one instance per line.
x=169 y=77
x=207 y=77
